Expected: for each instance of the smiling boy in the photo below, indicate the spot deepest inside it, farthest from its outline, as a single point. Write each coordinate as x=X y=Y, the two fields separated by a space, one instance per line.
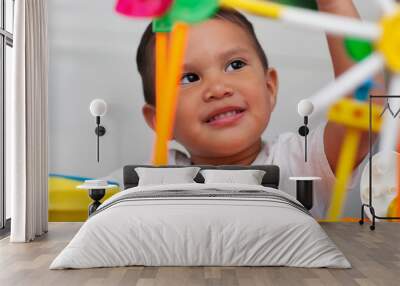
x=227 y=91
x=227 y=94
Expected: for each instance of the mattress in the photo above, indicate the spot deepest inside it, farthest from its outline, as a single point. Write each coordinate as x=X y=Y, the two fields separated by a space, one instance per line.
x=201 y=225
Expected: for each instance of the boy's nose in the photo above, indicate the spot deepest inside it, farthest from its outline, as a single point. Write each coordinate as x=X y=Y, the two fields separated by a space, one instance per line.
x=217 y=91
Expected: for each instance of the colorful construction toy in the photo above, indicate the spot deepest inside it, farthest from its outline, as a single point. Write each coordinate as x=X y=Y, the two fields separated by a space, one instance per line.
x=374 y=45
x=355 y=116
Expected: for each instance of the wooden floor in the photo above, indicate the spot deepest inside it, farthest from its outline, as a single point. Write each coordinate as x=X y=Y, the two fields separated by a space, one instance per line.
x=374 y=255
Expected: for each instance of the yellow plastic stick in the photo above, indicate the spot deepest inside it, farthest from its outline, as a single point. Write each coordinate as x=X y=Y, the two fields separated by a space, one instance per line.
x=256 y=7
x=165 y=121
x=329 y=23
x=343 y=172
x=161 y=144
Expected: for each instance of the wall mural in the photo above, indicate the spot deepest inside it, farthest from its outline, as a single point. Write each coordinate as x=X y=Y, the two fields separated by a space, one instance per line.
x=208 y=85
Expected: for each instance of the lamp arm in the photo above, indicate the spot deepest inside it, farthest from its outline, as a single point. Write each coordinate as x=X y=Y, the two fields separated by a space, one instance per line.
x=98 y=137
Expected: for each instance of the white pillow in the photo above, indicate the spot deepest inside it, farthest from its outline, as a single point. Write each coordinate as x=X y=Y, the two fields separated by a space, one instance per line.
x=162 y=176
x=248 y=177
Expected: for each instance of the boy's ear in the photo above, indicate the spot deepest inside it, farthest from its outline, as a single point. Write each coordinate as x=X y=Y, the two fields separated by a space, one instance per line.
x=271 y=77
x=149 y=113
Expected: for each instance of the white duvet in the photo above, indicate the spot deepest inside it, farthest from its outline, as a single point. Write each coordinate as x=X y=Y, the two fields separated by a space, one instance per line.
x=188 y=231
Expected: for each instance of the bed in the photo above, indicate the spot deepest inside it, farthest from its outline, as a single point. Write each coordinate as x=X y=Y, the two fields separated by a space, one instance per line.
x=201 y=224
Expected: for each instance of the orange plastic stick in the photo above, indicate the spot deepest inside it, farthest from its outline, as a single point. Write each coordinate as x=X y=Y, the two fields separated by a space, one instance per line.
x=161 y=144
x=161 y=64
x=166 y=118
x=177 y=53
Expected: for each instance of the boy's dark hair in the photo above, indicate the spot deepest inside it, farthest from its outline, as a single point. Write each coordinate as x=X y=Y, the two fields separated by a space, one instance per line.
x=145 y=53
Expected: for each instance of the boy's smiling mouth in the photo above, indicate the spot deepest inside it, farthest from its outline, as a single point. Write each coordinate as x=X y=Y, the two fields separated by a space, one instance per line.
x=225 y=116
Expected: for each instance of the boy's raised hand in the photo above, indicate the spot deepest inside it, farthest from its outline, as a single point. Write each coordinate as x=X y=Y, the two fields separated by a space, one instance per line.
x=341 y=62
x=334 y=133
x=332 y=4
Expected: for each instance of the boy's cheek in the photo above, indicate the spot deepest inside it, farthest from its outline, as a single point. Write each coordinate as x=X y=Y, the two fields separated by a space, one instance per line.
x=187 y=109
x=260 y=102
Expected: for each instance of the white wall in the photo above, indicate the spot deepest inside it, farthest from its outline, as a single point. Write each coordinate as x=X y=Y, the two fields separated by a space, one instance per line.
x=92 y=55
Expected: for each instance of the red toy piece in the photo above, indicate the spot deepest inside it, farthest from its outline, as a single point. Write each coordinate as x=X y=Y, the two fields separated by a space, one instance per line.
x=143 y=8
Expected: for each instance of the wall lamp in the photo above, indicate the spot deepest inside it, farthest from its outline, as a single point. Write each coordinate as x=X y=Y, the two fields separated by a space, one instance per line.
x=98 y=108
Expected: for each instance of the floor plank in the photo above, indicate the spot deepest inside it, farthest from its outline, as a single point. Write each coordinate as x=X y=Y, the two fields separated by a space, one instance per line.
x=374 y=255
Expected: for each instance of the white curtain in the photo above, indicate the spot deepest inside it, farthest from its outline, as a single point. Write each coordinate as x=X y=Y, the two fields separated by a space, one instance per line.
x=26 y=123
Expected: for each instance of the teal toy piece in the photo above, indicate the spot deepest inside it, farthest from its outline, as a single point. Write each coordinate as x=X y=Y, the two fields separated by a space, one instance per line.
x=362 y=92
x=193 y=11
x=188 y=11
x=163 y=24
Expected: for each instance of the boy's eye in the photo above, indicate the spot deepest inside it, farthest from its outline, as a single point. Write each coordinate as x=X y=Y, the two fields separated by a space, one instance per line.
x=189 y=77
x=235 y=65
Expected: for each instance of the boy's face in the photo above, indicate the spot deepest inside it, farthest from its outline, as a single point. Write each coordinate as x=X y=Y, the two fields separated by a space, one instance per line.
x=226 y=95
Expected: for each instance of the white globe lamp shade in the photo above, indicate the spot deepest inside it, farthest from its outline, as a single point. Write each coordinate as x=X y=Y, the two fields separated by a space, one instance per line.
x=305 y=107
x=98 y=107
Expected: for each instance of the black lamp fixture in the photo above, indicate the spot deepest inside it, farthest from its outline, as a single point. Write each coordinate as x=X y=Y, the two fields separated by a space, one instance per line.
x=98 y=108
x=305 y=108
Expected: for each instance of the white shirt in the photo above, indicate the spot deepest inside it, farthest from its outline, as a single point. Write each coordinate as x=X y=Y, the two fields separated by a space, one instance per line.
x=287 y=152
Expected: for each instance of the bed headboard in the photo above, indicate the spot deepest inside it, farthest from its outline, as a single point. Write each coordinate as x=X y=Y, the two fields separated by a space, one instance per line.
x=270 y=179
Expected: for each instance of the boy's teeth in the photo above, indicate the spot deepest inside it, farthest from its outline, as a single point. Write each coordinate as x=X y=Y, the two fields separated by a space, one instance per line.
x=223 y=115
